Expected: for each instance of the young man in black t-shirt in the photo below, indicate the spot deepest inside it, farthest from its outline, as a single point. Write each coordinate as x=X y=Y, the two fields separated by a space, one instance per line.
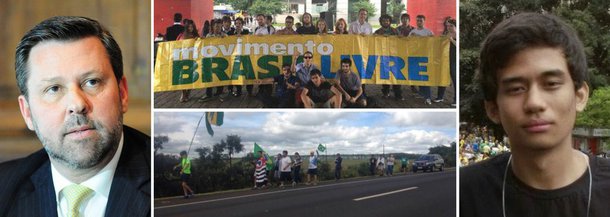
x=320 y=94
x=287 y=83
x=533 y=74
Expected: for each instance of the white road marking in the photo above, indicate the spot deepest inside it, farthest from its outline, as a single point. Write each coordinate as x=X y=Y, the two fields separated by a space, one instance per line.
x=384 y=194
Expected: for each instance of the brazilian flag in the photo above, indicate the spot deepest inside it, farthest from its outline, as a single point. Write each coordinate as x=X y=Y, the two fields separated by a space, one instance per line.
x=213 y=118
x=321 y=148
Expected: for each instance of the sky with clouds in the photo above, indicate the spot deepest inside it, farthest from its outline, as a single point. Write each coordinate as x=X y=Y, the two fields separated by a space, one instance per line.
x=302 y=131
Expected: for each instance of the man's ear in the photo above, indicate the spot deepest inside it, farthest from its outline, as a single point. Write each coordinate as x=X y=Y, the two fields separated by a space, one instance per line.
x=492 y=111
x=582 y=97
x=123 y=94
x=26 y=113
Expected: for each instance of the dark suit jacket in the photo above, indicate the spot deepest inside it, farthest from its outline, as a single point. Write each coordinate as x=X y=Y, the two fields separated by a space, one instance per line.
x=172 y=32
x=26 y=185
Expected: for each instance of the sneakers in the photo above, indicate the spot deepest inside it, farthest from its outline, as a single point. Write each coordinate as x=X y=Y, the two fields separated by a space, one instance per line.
x=439 y=100
x=428 y=102
x=205 y=98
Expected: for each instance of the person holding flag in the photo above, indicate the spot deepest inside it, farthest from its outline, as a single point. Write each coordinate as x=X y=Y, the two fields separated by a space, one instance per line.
x=313 y=167
x=185 y=174
x=260 y=172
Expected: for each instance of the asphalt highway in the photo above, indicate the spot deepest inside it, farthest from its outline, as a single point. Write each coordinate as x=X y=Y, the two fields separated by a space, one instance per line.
x=420 y=194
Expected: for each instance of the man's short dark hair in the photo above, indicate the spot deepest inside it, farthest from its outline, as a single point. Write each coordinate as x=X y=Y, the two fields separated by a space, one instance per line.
x=64 y=28
x=421 y=16
x=308 y=52
x=346 y=60
x=177 y=17
x=269 y=17
x=290 y=18
x=226 y=19
x=183 y=153
x=315 y=72
x=385 y=17
x=260 y=15
x=405 y=15
x=240 y=20
x=363 y=9
x=286 y=65
x=529 y=30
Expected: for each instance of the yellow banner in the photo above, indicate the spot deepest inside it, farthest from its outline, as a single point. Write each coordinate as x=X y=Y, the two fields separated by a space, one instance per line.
x=210 y=62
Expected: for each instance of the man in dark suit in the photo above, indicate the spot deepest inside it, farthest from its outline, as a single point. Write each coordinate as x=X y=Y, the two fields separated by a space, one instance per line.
x=73 y=94
x=172 y=32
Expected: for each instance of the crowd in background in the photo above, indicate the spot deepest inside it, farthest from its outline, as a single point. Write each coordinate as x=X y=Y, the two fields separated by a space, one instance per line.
x=478 y=143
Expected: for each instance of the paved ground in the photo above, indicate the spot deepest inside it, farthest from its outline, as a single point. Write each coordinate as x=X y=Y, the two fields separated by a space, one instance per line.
x=420 y=194
x=171 y=99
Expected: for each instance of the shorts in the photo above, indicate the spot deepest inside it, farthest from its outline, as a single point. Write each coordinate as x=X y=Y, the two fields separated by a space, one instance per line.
x=285 y=176
x=312 y=171
x=185 y=177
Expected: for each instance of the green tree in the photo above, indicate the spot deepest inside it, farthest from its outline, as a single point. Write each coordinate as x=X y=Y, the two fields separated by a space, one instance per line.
x=395 y=8
x=448 y=153
x=237 y=4
x=267 y=7
x=356 y=5
x=159 y=140
x=234 y=146
x=597 y=112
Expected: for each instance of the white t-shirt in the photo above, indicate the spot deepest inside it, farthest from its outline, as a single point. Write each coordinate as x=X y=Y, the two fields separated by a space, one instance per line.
x=313 y=162
x=391 y=161
x=285 y=162
x=421 y=32
x=264 y=30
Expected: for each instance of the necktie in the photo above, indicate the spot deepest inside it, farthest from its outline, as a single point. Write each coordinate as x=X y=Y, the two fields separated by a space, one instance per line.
x=75 y=195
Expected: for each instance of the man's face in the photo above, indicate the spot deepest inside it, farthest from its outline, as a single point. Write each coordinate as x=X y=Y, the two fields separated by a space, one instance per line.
x=307 y=58
x=404 y=20
x=316 y=80
x=536 y=101
x=238 y=24
x=420 y=22
x=75 y=104
x=226 y=24
x=385 y=23
x=217 y=28
x=260 y=20
x=307 y=19
x=286 y=71
x=362 y=15
x=289 y=23
x=345 y=67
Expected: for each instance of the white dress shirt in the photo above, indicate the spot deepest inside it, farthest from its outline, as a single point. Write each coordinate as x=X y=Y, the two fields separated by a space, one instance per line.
x=357 y=28
x=95 y=204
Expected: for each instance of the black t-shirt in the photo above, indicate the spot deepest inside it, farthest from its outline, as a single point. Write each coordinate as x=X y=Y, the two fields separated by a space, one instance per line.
x=304 y=30
x=319 y=94
x=481 y=192
x=234 y=32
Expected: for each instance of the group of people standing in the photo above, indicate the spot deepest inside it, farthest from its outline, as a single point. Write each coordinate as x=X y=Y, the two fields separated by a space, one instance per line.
x=385 y=167
x=285 y=170
x=302 y=84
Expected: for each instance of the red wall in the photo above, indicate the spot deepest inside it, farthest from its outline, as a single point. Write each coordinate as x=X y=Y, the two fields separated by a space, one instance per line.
x=434 y=10
x=197 y=10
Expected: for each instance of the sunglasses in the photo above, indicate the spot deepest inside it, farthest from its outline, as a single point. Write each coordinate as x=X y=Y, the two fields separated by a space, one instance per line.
x=307 y=57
